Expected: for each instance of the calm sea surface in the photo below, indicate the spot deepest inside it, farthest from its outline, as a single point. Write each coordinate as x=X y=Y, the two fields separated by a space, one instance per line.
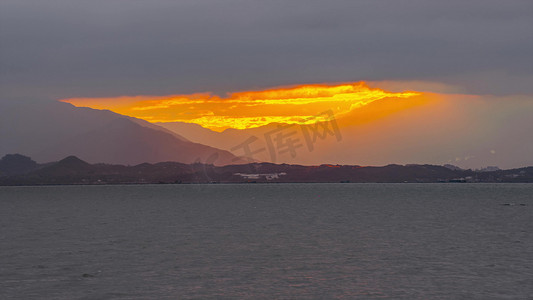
x=267 y=241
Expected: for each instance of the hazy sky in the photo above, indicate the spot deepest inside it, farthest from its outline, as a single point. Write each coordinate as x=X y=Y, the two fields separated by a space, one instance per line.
x=53 y=49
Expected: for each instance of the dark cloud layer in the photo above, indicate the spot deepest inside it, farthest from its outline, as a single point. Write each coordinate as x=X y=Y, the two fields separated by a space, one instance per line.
x=59 y=49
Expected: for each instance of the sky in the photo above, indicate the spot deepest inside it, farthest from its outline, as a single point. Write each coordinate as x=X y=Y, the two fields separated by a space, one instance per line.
x=248 y=109
x=55 y=49
x=444 y=68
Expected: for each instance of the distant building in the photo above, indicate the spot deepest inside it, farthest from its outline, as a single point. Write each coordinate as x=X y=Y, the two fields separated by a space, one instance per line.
x=489 y=169
x=268 y=176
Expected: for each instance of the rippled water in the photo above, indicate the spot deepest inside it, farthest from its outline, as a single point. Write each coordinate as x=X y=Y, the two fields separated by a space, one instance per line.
x=277 y=241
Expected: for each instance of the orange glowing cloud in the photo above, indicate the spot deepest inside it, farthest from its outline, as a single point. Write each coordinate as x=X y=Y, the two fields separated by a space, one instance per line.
x=247 y=109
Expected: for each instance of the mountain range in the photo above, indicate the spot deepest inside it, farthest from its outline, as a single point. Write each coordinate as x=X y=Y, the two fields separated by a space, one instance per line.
x=465 y=131
x=471 y=132
x=50 y=131
x=21 y=170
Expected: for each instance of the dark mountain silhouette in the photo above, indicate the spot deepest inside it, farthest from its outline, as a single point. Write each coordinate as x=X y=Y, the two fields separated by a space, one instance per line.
x=69 y=166
x=122 y=141
x=72 y=170
x=28 y=127
x=14 y=164
x=49 y=131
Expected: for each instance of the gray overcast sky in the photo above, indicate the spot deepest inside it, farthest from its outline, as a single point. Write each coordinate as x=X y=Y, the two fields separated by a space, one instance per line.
x=57 y=49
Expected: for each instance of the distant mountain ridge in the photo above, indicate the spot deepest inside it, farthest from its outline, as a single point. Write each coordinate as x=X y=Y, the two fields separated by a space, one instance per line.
x=122 y=141
x=72 y=170
x=49 y=131
x=460 y=130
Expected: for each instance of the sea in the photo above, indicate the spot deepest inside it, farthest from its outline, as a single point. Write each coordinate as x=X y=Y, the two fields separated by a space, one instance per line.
x=267 y=241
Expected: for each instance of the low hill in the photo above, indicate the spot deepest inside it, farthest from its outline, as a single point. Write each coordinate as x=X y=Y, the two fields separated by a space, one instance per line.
x=15 y=164
x=72 y=170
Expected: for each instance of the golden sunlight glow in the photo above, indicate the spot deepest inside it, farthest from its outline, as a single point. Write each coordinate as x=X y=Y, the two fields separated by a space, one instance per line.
x=248 y=109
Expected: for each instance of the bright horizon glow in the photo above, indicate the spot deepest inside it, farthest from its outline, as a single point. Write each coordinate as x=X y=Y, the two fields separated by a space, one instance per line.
x=246 y=109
